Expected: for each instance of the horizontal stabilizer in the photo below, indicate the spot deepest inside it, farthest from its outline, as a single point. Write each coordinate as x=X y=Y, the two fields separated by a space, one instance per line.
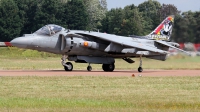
x=166 y=44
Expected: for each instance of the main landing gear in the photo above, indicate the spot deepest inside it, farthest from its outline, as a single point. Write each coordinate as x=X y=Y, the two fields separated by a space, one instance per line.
x=89 y=68
x=105 y=67
x=108 y=67
x=140 y=69
x=68 y=66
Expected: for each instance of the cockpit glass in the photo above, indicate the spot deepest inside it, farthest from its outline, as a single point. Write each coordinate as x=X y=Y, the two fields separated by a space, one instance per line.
x=49 y=29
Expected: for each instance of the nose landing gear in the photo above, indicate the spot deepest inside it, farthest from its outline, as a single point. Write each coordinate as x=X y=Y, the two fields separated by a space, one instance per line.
x=67 y=66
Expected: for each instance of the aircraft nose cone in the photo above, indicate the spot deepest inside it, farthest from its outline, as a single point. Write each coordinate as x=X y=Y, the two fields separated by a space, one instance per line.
x=21 y=42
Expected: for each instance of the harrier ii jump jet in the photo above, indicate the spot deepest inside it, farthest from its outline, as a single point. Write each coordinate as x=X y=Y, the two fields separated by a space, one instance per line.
x=99 y=48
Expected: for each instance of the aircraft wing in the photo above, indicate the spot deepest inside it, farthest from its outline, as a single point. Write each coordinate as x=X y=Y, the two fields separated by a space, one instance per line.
x=120 y=40
x=166 y=44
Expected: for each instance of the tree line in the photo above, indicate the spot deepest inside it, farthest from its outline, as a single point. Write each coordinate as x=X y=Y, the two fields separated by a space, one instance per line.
x=18 y=17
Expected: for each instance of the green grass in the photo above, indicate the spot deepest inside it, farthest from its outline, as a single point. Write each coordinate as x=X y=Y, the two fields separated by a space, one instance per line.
x=100 y=94
x=77 y=93
x=13 y=52
x=18 y=59
x=54 y=63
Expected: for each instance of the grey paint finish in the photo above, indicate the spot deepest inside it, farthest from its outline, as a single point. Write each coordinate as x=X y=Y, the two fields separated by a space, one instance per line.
x=72 y=43
x=96 y=47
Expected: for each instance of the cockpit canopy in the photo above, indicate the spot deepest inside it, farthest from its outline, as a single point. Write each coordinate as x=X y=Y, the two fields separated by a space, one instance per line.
x=49 y=30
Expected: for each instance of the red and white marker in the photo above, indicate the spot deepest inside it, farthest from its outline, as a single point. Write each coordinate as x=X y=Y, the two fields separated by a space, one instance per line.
x=5 y=44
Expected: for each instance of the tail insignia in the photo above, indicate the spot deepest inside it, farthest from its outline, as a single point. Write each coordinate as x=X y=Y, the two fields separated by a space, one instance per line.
x=164 y=30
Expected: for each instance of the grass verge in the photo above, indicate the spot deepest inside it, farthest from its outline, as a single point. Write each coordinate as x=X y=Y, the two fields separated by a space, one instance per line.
x=54 y=63
x=18 y=59
x=100 y=94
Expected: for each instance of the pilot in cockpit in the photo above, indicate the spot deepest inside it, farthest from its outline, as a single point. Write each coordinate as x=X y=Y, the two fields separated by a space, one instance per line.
x=51 y=29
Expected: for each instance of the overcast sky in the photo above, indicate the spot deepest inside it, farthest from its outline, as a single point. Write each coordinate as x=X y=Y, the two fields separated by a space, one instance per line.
x=182 y=5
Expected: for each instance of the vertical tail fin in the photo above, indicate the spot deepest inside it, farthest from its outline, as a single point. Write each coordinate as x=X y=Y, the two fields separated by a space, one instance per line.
x=164 y=30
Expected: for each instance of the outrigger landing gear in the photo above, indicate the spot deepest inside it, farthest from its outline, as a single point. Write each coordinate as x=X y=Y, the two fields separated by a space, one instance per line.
x=140 y=69
x=89 y=68
x=67 y=66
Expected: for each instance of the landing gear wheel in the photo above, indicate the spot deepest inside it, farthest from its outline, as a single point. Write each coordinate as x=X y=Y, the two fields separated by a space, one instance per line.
x=140 y=69
x=111 y=67
x=104 y=67
x=89 y=68
x=69 y=66
x=108 y=67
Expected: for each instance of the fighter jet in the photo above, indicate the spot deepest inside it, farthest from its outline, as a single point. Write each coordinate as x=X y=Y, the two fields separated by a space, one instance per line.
x=99 y=48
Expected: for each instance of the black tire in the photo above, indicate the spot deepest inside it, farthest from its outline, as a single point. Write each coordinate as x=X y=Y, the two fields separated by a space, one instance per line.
x=70 y=68
x=104 y=67
x=140 y=69
x=111 y=67
x=89 y=68
x=108 y=67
